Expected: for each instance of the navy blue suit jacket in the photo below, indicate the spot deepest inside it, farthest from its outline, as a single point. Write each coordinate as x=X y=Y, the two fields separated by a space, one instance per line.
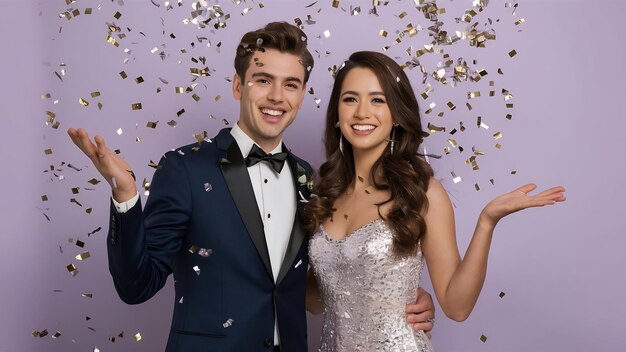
x=201 y=223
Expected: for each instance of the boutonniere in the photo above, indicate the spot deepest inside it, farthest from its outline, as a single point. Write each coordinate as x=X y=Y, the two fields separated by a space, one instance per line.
x=305 y=184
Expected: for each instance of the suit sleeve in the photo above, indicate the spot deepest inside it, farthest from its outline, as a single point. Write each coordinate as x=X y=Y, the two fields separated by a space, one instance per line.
x=141 y=246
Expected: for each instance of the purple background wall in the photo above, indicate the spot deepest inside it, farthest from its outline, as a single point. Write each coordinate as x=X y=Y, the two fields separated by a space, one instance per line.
x=559 y=268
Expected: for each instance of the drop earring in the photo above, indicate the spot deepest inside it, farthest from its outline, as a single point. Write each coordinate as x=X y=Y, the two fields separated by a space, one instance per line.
x=393 y=137
x=340 y=138
x=341 y=142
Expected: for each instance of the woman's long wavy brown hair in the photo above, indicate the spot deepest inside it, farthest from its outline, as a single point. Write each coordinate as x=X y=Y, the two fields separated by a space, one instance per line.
x=403 y=173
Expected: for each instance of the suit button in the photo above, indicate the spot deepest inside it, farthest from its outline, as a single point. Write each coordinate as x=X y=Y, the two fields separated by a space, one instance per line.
x=268 y=343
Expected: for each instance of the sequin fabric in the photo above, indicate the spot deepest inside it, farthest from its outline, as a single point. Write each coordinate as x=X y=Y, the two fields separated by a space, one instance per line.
x=365 y=289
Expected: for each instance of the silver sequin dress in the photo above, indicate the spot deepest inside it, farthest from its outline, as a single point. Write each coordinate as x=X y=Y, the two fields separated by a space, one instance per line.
x=365 y=291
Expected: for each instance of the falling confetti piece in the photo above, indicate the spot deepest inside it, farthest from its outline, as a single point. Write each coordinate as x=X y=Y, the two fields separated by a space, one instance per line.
x=138 y=337
x=228 y=323
x=136 y=106
x=502 y=294
x=455 y=178
x=483 y=338
x=83 y=256
x=94 y=181
x=197 y=270
x=71 y=268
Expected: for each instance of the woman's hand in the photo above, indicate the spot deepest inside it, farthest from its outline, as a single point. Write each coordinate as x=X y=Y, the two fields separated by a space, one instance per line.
x=519 y=199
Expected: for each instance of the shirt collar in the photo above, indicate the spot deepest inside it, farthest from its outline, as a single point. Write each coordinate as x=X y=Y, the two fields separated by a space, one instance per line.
x=245 y=142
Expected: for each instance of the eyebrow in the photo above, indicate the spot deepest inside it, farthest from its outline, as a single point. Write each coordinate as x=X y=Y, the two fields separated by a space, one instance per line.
x=271 y=76
x=355 y=93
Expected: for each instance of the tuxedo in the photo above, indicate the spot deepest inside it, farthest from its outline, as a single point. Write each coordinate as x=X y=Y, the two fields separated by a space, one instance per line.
x=201 y=223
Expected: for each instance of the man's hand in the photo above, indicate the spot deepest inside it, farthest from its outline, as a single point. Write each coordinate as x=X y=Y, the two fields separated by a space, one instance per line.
x=421 y=315
x=114 y=170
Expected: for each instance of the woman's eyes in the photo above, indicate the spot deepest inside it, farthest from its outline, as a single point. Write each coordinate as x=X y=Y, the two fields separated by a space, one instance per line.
x=353 y=100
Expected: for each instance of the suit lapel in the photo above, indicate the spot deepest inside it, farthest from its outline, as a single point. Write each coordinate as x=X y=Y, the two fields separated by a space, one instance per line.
x=238 y=180
x=297 y=232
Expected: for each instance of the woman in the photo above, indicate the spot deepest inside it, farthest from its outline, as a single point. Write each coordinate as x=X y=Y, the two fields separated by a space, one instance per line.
x=379 y=211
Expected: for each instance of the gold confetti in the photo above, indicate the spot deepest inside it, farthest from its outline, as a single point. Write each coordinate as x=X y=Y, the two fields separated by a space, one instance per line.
x=217 y=98
x=99 y=106
x=195 y=97
x=42 y=333
x=451 y=105
x=335 y=3
x=180 y=112
x=83 y=102
x=83 y=256
x=88 y=11
x=80 y=243
x=383 y=33
x=56 y=335
x=483 y=338
x=512 y=53
x=46 y=96
x=123 y=74
x=497 y=135
x=112 y=41
x=117 y=15
x=472 y=95
x=179 y=90
x=138 y=337
x=508 y=116
x=520 y=21
x=47 y=151
x=119 y=131
x=94 y=181
x=44 y=198
x=87 y=295
x=432 y=128
x=72 y=269
x=477 y=186
x=136 y=106
x=94 y=94
x=326 y=33
x=152 y=124
x=402 y=15
x=139 y=80
x=502 y=294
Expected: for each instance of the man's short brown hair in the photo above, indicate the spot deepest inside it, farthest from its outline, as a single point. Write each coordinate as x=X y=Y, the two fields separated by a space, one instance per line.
x=281 y=36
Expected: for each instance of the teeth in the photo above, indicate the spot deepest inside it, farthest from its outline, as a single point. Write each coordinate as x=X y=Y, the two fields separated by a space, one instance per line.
x=271 y=112
x=363 y=127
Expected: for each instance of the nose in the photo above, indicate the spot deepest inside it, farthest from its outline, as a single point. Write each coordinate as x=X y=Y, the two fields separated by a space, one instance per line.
x=276 y=94
x=362 y=111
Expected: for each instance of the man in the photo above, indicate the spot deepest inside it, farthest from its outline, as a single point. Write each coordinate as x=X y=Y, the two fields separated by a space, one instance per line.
x=222 y=215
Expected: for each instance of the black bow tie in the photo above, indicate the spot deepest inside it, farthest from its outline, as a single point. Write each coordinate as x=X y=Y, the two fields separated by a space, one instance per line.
x=276 y=161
